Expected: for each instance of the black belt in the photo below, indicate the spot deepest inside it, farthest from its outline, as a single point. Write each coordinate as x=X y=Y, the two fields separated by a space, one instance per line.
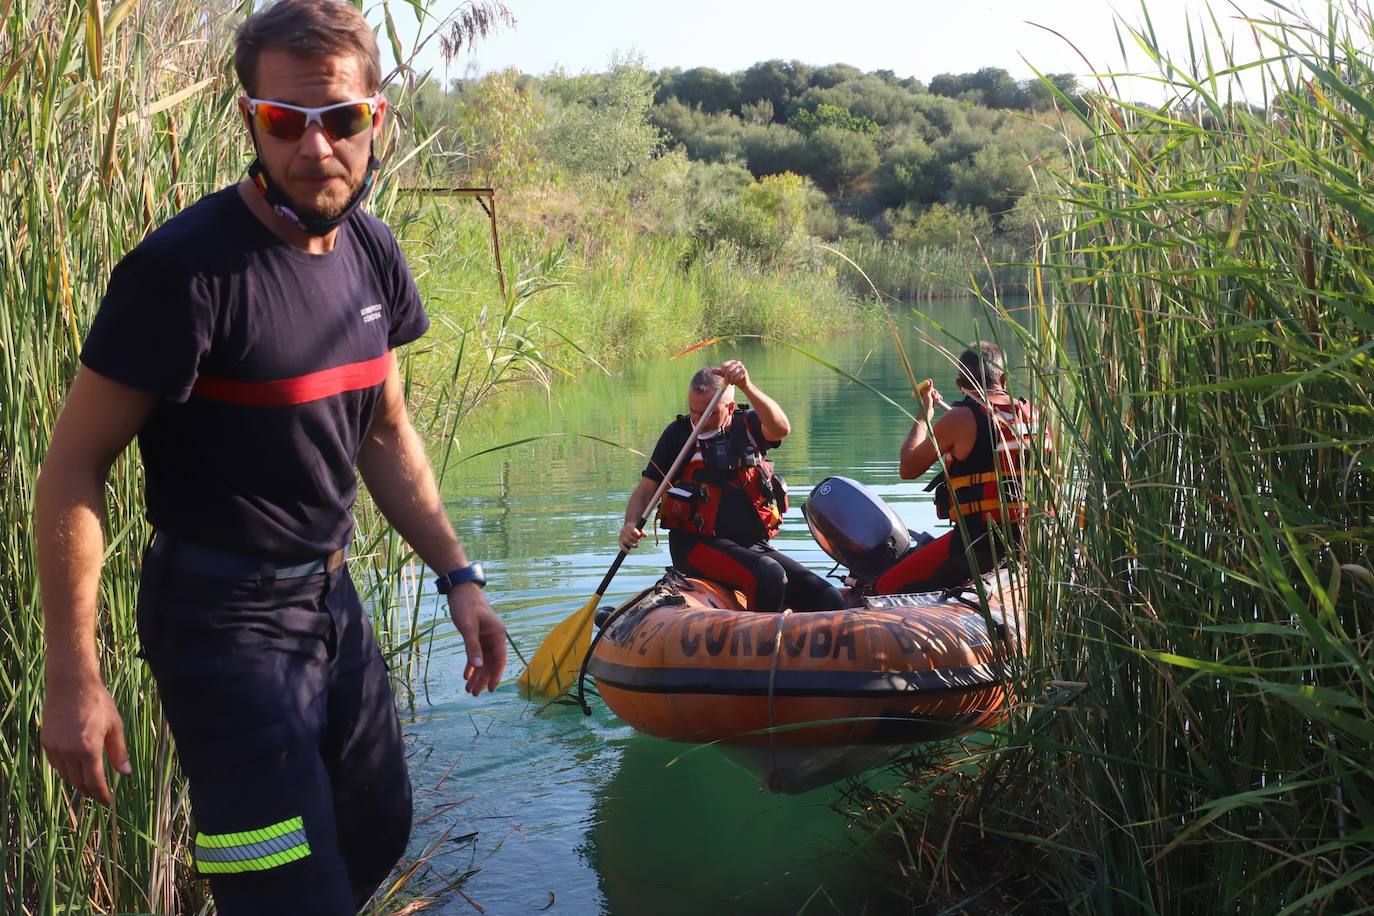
x=224 y=564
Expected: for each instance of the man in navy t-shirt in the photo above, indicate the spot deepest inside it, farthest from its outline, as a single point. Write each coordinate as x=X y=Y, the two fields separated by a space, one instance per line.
x=249 y=345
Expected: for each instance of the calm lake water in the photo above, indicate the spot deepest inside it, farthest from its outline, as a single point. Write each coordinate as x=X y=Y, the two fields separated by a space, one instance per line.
x=580 y=815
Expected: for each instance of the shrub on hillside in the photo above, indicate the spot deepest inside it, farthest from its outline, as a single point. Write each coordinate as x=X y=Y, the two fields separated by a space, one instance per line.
x=751 y=233
x=807 y=121
x=839 y=157
x=774 y=149
x=940 y=226
x=992 y=179
x=783 y=197
x=909 y=174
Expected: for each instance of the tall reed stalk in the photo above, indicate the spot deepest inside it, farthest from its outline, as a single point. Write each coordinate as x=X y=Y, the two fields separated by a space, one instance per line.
x=1195 y=731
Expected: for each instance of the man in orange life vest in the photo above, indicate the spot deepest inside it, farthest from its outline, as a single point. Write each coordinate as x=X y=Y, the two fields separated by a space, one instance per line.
x=726 y=504
x=986 y=440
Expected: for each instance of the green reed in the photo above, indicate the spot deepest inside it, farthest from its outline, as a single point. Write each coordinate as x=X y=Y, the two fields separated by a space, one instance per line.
x=112 y=118
x=88 y=169
x=931 y=272
x=1194 y=731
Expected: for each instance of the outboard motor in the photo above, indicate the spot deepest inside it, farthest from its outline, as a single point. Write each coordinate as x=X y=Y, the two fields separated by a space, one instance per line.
x=856 y=528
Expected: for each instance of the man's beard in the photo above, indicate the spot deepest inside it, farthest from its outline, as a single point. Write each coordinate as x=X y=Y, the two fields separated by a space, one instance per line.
x=323 y=207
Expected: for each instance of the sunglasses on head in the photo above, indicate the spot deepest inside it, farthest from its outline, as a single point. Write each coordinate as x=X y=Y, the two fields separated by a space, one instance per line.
x=289 y=122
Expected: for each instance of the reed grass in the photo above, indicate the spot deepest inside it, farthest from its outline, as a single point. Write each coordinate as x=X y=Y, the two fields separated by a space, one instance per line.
x=1194 y=731
x=87 y=170
x=112 y=118
x=930 y=272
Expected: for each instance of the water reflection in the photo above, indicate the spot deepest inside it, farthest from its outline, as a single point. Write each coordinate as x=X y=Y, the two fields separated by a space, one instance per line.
x=714 y=844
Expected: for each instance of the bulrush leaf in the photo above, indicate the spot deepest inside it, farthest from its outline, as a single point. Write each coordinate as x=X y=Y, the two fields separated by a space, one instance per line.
x=95 y=38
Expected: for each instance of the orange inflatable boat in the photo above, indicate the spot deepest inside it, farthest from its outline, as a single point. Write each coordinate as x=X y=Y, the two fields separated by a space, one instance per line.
x=807 y=698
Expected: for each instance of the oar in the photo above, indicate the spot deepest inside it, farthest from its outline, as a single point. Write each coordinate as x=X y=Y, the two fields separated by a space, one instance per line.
x=555 y=665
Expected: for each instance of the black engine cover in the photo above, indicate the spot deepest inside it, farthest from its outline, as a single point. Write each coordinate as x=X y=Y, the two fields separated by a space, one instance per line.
x=856 y=528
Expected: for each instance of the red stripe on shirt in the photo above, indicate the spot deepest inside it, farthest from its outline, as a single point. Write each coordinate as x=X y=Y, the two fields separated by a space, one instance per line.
x=302 y=389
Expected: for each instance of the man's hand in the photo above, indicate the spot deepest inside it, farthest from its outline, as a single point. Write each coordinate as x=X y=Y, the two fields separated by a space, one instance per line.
x=630 y=536
x=734 y=373
x=930 y=396
x=484 y=637
x=80 y=725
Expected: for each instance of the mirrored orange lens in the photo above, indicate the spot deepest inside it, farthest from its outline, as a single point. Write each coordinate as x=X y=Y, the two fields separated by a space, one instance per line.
x=289 y=124
x=282 y=123
x=347 y=120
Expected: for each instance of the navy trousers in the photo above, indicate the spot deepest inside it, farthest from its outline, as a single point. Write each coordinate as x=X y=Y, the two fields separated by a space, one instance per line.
x=286 y=728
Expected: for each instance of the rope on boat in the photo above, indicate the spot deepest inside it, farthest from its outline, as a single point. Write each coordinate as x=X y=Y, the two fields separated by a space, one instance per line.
x=772 y=676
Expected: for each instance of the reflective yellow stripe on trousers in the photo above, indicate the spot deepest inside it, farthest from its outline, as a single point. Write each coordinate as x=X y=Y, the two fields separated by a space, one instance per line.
x=252 y=850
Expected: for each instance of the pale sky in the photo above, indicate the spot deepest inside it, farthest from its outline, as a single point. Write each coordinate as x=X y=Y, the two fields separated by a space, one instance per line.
x=918 y=38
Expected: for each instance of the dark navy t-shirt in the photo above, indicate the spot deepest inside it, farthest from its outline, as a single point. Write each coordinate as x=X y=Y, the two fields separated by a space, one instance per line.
x=269 y=363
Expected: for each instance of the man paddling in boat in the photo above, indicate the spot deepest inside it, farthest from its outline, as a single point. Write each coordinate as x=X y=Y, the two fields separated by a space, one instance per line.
x=987 y=440
x=726 y=504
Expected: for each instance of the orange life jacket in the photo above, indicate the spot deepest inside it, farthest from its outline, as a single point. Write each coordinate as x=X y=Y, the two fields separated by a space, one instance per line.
x=989 y=484
x=731 y=462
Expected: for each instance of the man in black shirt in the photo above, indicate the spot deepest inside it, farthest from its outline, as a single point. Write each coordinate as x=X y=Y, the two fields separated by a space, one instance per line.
x=249 y=344
x=726 y=504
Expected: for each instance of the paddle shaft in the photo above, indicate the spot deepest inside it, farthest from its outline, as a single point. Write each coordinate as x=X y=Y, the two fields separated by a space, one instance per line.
x=662 y=487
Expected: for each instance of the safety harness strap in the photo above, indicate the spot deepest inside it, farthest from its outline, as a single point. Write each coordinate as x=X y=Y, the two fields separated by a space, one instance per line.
x=991 y=505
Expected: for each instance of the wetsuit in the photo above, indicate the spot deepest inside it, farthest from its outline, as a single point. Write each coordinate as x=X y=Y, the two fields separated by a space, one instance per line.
x=991 y=510
x=734 y=547
x=269 y=363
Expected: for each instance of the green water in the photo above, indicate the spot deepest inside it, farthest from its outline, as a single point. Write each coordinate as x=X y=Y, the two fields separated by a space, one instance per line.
x=550 y=805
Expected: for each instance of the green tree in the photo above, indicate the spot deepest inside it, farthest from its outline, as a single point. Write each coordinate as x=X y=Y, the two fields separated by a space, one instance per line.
x=705 y=88
x=774 y=149
x=784 y=198
x=806 y=121
x=833 y=74
x=776 y=81
x=501 y=122
x=839 y=157
x=1042 y=96
x=604 y=129
x=991 y=179
x=909 y=174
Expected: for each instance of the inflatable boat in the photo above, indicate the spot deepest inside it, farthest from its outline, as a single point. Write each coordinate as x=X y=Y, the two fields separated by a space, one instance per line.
x=810 y=697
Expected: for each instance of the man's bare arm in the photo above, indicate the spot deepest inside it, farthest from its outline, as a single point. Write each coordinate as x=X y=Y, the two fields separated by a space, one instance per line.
x=397 y=472
x=80 y=720
x=953 y=435
x=772 y=420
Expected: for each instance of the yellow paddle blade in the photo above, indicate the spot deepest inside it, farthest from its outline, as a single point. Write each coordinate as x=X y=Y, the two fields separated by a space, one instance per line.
x=554 y=667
